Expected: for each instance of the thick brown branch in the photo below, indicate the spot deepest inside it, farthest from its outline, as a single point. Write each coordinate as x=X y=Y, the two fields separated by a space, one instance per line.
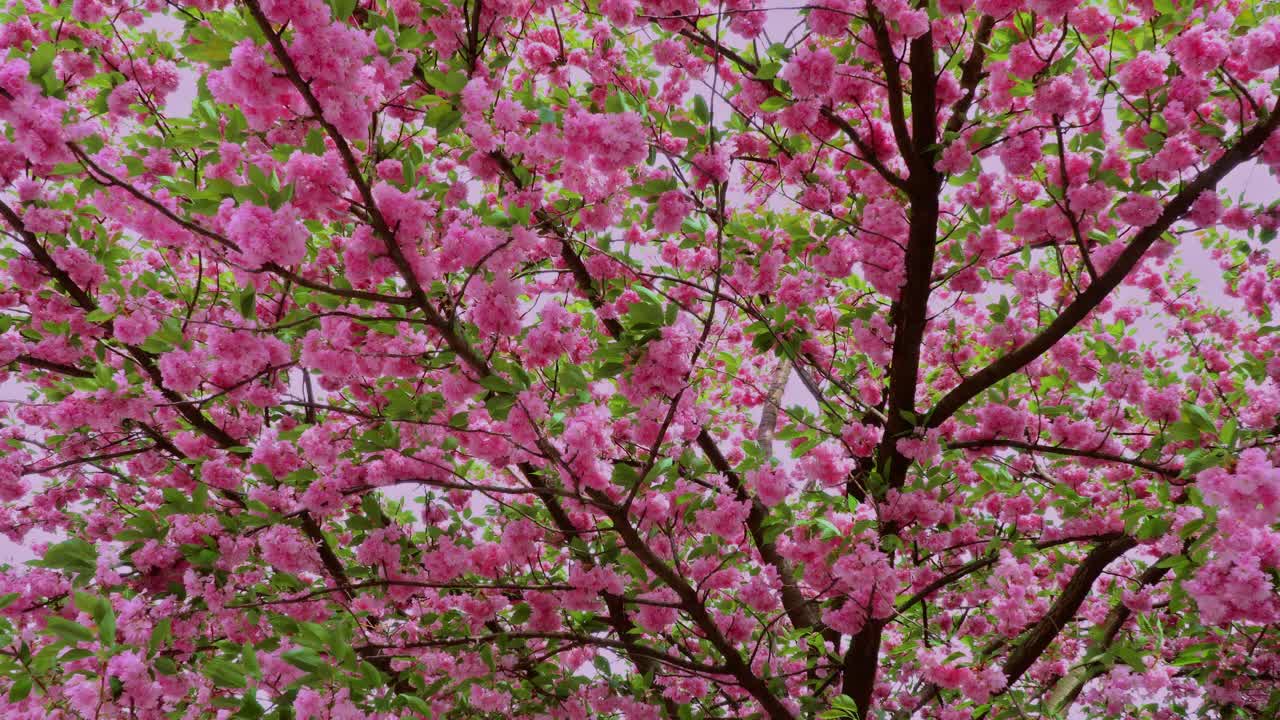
x=972 y=74
x=893 y=83
x=60 y=368
x=1041 y=635
x=983 y=562
x=1068 y=688
x=1085 y=302
x=909 y=318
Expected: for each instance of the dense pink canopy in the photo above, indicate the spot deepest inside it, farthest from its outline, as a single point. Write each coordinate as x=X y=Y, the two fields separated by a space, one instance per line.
x=639 y=359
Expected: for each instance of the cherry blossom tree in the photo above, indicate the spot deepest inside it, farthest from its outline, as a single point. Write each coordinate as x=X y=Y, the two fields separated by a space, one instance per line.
x=639 y=359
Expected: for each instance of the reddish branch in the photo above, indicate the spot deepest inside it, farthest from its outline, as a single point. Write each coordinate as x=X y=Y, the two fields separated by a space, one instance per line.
x=1109 y=280
x=1158 y=469
x=1036 y=640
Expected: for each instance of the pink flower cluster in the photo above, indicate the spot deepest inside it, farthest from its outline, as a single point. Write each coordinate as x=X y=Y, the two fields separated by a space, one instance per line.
x=977 y=683
x=1235 y=584
x=265 y=235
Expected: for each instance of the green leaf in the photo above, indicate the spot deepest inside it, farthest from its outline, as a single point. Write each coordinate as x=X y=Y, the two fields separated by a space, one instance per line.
x=1228 y=435
x=633 y=566
x=1197 y=416
x=85 y=602
x=1000 y=310
x=41 y=60
x=303 y=659
x=315 y=142
x=416 y=704
x=1183 y=431
x=68 y=630
x=1022 y=89
x=382 y=39
x=498 y=384
x=160 y=634
x=443 y=118
x=258 y=177
x=156 y=346
x=685 y=129
x=499 y=406
x=1153 y=527
x=774 y=104
x=1195 y=654
x=44 y=660
x=225 y=674
x=342 y=9
x=571 y=378
x=21 y=689
x=246 y=302
x=74 y=555
x=646 y=313
x=451 y=83
x=249 y=709
x=700 y=109
x=410 y=39
x=107 y=624
x=985 y=135
x=769 y=70
x=249 y=657
x=616 y=103
x=520 y=613
x=653 y=187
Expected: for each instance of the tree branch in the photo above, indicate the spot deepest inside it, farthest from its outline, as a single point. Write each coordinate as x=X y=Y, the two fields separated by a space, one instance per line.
x=1072 y=452
x=1036 y=640
x=1085 y=302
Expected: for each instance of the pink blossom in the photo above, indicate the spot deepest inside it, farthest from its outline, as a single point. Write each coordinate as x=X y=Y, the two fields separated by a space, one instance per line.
x=998 y=8
x=771 y=485
x=619 y=12
x=1001 y=421
x=1162 y=405
x=862 y=438
x=181 y=370
x=657 y=618
x=923 y=450
x=12 y=483
x=1020 y=151
x=264 y=235
x=135 y=328
x=1139 y=210
x=955 y=159
x=1206 y=210
x=250 y=84
x=1199 y=50
x=830 y=18
x=673 y=207
x=827 y=464
x=711 y=166
x=1144 y=73
x=1060 y=96
x=1251 y=493
x=811 y=73
x=1262 y=46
